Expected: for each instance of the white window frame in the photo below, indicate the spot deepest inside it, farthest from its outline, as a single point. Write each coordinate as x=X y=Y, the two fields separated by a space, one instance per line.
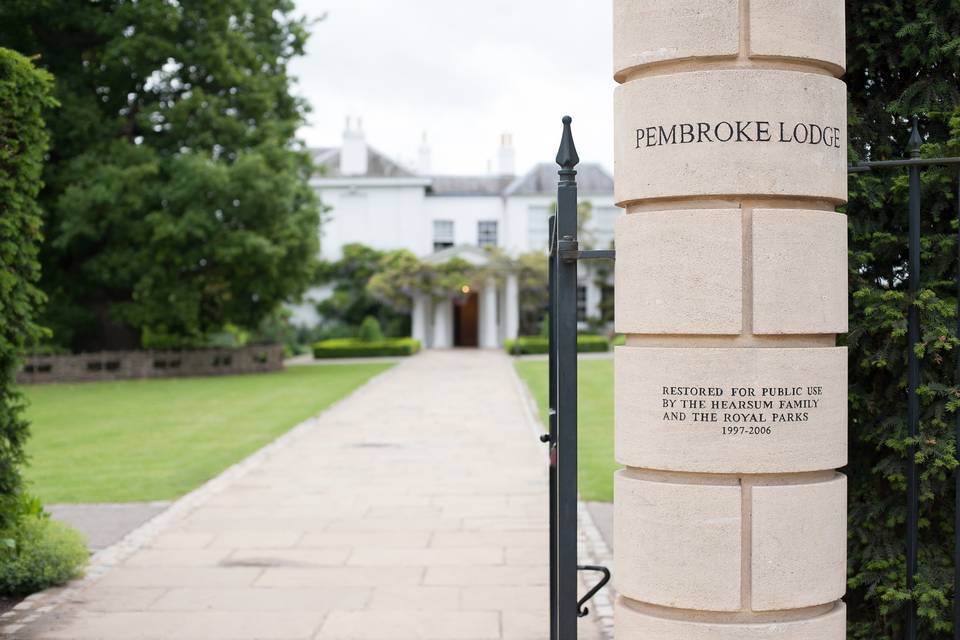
x=443 y=234
x=484 y=236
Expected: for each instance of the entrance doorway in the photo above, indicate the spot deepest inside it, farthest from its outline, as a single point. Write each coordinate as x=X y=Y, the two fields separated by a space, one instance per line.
x=466 y=321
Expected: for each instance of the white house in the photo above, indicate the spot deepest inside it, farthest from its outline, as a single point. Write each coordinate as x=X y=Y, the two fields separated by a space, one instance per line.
x=375 y=201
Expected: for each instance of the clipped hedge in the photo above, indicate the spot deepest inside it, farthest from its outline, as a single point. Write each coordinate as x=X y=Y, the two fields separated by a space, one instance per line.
x=356 y=348
x=24 y=94
x=525 y=345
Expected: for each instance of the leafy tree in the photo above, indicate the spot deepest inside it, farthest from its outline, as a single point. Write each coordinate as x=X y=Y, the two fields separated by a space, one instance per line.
x=24 y=94
x=903 y=59
x=400 y=276
x=450 y=277
x=349 y=301
x=176 y=198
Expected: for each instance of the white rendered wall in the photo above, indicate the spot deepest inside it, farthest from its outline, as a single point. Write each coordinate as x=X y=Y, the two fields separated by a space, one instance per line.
x=401 y=217
x=466 y=212
x=526 y=227
x=380 y=217
x=388 y=214
x=304 y=314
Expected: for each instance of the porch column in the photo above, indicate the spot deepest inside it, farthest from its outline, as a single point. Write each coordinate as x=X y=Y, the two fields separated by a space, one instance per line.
x=512 y=307
x=418 y=319
x=731 y=285
x=442 y=324
x=488 y=315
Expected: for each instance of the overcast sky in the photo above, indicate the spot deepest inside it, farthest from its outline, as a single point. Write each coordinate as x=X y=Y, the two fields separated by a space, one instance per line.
x=463 y=72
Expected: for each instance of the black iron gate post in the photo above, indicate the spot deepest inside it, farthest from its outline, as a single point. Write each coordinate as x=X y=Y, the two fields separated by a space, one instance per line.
x=566 y=400
x=562 y=436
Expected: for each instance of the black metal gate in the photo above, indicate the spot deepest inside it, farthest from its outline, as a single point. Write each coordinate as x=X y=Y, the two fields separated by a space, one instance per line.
x=914 y=164
x=562 y=435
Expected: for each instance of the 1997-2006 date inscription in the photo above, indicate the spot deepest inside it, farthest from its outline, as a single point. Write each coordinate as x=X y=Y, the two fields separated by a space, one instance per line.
x=740 y=410
x=743 y=430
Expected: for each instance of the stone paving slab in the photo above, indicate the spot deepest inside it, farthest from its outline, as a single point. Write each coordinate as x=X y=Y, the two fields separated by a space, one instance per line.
x=414 y=509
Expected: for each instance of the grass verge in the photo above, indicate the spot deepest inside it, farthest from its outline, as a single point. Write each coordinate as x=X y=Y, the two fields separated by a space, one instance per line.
x=138 y=440
x=594 y=421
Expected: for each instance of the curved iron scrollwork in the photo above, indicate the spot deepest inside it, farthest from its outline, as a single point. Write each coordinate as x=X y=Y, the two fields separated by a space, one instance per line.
x=582 y=610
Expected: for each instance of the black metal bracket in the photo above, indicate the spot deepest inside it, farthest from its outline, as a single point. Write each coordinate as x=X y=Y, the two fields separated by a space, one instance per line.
x=582 y=610
x=905 y=162
x=569 y=251
x=598 y=254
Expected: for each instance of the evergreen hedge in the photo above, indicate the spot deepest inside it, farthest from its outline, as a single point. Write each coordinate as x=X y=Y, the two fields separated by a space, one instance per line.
x=24 y=94
x=357 y=348
x=525 y=345
x=903 y=59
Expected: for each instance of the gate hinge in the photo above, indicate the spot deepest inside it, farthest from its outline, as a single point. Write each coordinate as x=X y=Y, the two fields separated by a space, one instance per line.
x=567 y=249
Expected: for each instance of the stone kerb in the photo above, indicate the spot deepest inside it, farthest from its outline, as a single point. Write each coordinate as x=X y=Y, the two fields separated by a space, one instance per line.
x=731 y=411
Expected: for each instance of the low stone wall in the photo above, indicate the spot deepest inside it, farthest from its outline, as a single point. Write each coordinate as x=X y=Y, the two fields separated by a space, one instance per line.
x=121 y=365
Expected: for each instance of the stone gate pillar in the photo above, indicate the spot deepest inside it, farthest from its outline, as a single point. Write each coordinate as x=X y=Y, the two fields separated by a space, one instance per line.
x=731 y=403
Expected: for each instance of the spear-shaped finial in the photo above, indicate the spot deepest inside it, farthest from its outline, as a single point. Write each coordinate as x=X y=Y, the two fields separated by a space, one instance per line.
x=567 y=156
x=915 y=140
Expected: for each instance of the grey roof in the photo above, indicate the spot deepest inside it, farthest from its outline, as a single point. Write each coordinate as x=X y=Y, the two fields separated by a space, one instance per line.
x=468 y=185
x=592 y=178
x=378 y=165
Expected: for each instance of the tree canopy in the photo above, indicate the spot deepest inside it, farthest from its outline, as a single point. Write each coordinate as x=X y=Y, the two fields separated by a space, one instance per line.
x=349 y=302
x=176 y=196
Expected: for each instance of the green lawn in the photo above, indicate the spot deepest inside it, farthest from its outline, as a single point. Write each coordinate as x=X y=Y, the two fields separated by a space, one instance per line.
x=594 y=421
x=158 y=439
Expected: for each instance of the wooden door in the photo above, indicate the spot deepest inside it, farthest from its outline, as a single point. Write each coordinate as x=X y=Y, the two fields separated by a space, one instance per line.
x=466 y=320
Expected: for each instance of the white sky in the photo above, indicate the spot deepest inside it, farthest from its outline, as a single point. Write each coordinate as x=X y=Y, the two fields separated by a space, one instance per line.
x=464 y=72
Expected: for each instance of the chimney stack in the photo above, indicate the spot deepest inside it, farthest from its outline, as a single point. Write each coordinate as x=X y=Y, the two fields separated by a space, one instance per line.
x=353 y=153
x=505 y=160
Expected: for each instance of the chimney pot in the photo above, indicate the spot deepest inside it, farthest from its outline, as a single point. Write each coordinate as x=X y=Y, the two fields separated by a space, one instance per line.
x=505 y=155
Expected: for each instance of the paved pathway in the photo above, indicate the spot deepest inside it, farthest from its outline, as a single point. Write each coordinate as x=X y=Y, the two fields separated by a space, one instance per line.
x=106 y=523
x=413 y=509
